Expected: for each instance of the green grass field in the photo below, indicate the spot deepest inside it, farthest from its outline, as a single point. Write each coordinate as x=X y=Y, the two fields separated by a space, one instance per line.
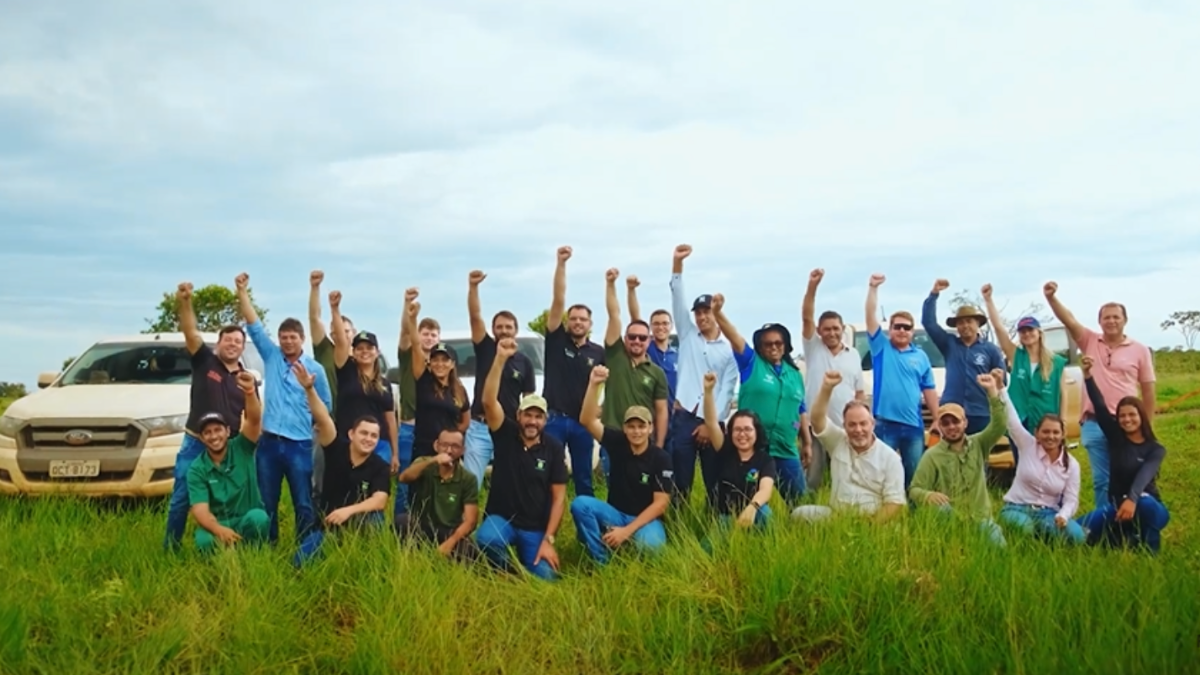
x=85 y=588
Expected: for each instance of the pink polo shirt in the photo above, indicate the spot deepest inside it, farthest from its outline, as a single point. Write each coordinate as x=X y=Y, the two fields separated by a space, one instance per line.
x=1118 y=371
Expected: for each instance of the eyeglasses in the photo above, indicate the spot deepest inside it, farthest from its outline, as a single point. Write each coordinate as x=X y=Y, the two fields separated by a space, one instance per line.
x=450 y=446
x=772 y=343
x=902 y=326
x=637 y=338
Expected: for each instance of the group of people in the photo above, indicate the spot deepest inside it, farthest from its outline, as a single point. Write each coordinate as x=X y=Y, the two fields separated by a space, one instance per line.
x=331 y=426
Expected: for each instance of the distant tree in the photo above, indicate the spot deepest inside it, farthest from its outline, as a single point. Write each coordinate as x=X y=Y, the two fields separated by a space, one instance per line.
x=1187 y=323
x=538 y=323
x=973 y=298
x=68 y=361
x=215 y=306
x=12 y=390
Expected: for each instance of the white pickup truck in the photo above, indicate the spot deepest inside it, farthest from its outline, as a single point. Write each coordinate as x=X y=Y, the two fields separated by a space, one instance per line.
x=109 y=425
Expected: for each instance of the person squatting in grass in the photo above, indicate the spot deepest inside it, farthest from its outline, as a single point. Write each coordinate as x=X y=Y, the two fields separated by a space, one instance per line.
x=951 y=474
x=222 y=483
x=427 y=334
x=285 y=449
x=520 y=379
x=529 y=480
x=214 y=388
x=445 y=504
x=639 y=485
x=772 y=388
x=867 y=476
x=1045 y=491
x=1133 y=511
x=745 y=470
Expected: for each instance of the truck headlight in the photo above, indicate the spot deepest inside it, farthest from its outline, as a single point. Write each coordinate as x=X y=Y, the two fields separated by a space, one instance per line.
x=9 y=425
x=164 y=426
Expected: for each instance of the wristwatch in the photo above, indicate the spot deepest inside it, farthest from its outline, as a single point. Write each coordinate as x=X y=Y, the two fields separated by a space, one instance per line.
x=550 y=538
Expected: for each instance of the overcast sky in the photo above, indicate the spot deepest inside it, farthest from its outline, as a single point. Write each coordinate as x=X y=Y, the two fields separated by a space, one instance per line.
x=405 y=143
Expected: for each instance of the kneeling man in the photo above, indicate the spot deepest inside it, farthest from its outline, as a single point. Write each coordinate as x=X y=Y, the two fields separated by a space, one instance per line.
x=867 y=475
x=223 y=482
x=445 y=506
x=639 y=485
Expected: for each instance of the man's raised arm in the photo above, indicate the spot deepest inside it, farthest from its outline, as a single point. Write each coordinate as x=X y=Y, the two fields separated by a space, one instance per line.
x=819 y=416
x=316 y=328
x=252 y=414
x=683 y=324
x=474 y=309
x=631 y=298
x=612 y=334
x=872 y=308
x=589 y=415
x=1077 y=330
x=558 y=302
x=731 y=332
x=187 y=318
x=405 y=342
x=493 y=412
x=341 y=343
x=808 y=308
x=326 y=432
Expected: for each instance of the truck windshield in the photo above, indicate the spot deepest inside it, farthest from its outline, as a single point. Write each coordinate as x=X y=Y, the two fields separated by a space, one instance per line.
x=140 y=363
x=464 y=356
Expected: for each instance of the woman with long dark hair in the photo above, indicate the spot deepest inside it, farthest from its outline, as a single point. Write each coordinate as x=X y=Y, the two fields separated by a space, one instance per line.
x=745 y=470
x=442 y=401
x=363 y=389
x=1134 y=513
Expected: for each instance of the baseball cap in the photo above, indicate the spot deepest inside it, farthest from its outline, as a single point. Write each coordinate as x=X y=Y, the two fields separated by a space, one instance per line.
x=443 y=348
x=638 y=412
x=954 y=410
x=365 y=336
x=533 y=401
x=211 y=418
x=1029 y=322
x=702 y=302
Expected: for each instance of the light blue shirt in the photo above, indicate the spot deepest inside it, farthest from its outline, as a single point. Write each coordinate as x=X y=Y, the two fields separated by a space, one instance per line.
x=285 y=408
x=697 y=356
x=901 y=377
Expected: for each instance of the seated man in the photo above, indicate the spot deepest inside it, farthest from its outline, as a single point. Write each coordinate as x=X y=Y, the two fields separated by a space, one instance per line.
x=529 y=480
x=223 y=482
x=639 y=483
x=445 y=506
x=951 y=475
x=867 y=475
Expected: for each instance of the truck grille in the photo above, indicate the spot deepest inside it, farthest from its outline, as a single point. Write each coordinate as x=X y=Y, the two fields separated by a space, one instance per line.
x=65 y=437
x=44 y=477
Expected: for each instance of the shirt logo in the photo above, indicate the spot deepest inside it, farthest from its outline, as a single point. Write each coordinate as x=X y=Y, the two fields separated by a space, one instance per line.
x=980 y=360
x=645 y=479
x=752 y=476
x=516 y=374
x=591 y=362
x=648 y=381
x=668 y=474
x=451 y=498
x=363 y=487
x=541 y=465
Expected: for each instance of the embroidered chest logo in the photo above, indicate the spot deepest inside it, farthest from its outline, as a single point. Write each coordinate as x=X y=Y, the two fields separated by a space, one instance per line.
x=541 y=465
x=980 y=360
x=752 y=476
x=591 y=362
x=768 y=378
x=451 y=497
x=648 y=381
x=645 y=479
x=516 y=374
x=363 y=487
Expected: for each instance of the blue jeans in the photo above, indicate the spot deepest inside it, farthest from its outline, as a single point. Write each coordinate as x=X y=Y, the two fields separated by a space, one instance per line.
x=1149 y=519
x=496 y=534
x=480 y=449
x=790 y=481
x=760 y=519
x=279 y=458
x=593 y=517
x=405 y=439
x=1094 y=441
x=311 y=545
x=727 y=523
x=907 y=440
x=683 y=455
x=1039 y=520
x=580 y=444
x=177 y=512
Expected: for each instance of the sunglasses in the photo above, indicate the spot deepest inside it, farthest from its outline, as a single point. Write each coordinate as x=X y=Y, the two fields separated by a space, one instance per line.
x=637 y=338
x=772 y=343
x=902 y=326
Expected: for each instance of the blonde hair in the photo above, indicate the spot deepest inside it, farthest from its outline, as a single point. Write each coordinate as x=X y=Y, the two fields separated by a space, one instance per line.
x=373 y=380
x=1045 y=357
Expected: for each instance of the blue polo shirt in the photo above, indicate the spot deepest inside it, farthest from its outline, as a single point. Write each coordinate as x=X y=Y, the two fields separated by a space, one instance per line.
x=900 y=378
x=669 y=361
x=963 y=363
x=285 y=404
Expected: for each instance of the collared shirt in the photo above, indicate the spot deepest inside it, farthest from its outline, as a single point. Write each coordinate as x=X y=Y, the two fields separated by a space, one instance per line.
x=523 y=477
x=668 y=360
x=568 y=371
x=635 y=478
x=900 y=378
x=440 y=502
x=961 y=475
x=519 y=377
x=214 y=389
x=964 y=362
x=1118 y=371
x=230 y=488
x=347 y=484
x=818 y=360
x=628 y=385
x=1040 y=481
x=699 y=355
x=861 y=480
x=286 y=410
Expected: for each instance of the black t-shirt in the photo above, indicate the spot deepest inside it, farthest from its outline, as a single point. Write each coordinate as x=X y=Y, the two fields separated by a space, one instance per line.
x=521 y=478
x=346 y=484
x=214 y=389
x=634 y=478
x=568 y=370
x=738 y=480
x=355 y=401
x=436 y=411
x=518 y=379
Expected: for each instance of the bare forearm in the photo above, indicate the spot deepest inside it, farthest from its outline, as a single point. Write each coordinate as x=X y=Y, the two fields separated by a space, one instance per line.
x=246 y=307
x=1149 y=394
x=635 y=308
x=651 y=513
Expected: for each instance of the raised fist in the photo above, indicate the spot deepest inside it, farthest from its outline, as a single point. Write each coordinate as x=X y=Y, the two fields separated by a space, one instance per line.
x=599 y=374
x=1086 y=364
x=1050 y=289
x=315 y=278
x=506 y=348
x=832 y=379
x=986 y=381
x=184 y=293
x=242 y=281
x=710 y=381
x=476 y=277
x=564 y=253
x=718 y=302
x=682 y=251
x=998 y=377
x=335 y=299
x=631 y=282
x=245 y=381
x=414 y=309
x=611 y=275
x=410 y=294
x=940 y=285
x=877 y=280
x=986 y=291
x=815 y=276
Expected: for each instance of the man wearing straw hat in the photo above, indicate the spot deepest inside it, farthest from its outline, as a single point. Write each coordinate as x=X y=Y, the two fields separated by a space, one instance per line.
x=967 y=356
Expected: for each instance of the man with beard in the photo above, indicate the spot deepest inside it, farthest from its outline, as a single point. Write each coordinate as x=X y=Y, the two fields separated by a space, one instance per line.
x=633 y=380
x=702 y=349
x=285 y=450
x=825 y=351
x=867 y=476
x=518 y=380
x=967 y=356
x=222 y=483
x=529 y=480
x=951 y=475
x=429 y=333
x=570 y=357
x=214 y=389
x=445 y=506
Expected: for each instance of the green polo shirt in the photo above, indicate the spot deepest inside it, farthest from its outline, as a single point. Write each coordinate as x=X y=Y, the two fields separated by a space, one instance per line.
x=629 y=385
x=448 y=497
x=960 y=475
x=230 y=488
x=407 y=384
x=323 y=353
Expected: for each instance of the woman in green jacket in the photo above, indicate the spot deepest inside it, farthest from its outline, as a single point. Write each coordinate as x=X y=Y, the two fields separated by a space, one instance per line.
x=1036 y=383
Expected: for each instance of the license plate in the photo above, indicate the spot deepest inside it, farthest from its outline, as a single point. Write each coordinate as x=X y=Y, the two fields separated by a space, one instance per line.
x=74 y=468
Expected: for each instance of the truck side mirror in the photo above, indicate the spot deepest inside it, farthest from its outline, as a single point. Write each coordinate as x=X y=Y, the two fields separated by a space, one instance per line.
x=47 y=378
